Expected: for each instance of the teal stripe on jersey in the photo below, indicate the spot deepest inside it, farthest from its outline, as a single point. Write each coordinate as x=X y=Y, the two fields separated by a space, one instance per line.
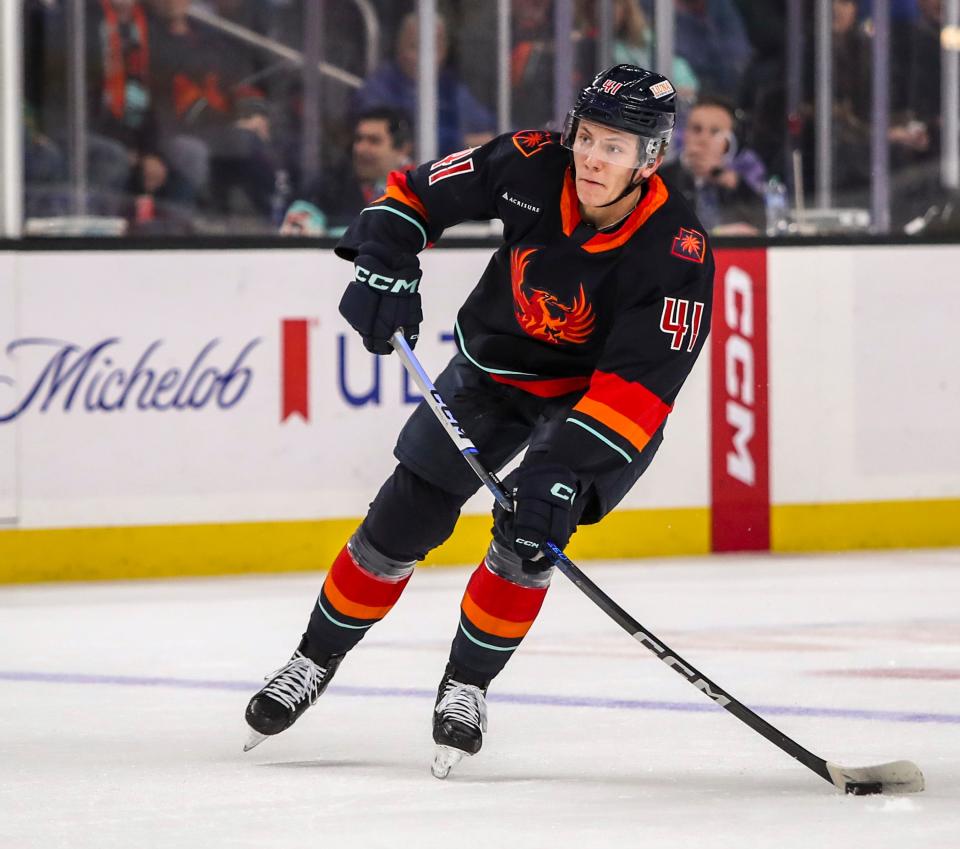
x=404 y=216
x=473 y=639
x=466 y=353
x=601 y=437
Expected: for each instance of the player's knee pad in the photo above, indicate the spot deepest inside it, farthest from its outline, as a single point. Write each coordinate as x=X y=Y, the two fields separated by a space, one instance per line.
x=369 y=558
x=410 y=516
x=503 y=561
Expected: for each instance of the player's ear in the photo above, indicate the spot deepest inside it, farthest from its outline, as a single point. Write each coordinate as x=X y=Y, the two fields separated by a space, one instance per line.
x=649 y=170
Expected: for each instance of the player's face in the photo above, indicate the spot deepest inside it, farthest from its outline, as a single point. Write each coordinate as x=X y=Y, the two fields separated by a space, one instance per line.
x=606 y=160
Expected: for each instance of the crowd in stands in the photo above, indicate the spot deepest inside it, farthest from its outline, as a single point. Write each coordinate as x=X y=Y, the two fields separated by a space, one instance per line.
x=192 y=131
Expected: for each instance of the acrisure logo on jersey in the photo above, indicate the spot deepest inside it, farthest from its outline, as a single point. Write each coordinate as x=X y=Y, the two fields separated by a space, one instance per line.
x=690 y=245
x=541 y=314
x=516 y=200
x=529 y=142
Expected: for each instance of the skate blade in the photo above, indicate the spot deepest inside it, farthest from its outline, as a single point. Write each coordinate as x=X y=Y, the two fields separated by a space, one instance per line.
x=255 y=739
x=445 y=758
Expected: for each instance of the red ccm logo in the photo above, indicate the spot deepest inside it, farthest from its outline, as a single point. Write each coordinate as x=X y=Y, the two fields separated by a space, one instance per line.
x=740 y=440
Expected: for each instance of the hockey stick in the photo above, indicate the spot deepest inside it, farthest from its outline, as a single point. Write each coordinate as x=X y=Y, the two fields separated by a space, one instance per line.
x=894 y=777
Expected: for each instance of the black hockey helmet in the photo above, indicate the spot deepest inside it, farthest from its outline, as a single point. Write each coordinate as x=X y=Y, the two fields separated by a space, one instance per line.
x=631 y=99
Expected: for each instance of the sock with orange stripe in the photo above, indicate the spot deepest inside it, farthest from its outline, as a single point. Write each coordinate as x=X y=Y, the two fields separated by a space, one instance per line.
x=495 y=615
x=361 y=588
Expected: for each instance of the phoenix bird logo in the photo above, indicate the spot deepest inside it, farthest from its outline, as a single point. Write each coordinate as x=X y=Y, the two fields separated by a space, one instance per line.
x=541 y=315
x=528 y=142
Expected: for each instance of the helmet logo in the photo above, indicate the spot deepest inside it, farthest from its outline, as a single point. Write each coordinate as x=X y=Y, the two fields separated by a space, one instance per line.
x=611 y=86
x=661 y=89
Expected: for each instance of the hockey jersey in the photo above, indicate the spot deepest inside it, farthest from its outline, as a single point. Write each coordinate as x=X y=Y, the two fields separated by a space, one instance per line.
x=618 y=315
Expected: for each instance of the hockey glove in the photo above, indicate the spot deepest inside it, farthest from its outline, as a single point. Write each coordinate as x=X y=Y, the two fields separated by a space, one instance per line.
x=383 y=297
x=543 y=501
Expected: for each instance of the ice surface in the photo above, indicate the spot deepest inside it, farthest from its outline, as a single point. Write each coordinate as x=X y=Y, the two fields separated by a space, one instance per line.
x=121 y=713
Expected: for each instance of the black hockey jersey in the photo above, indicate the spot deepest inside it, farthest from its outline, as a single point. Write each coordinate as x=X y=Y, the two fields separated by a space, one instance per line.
x=619 y=315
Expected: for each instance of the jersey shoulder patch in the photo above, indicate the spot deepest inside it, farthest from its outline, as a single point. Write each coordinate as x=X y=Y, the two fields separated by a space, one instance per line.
x=530 y=142
x=690 y=245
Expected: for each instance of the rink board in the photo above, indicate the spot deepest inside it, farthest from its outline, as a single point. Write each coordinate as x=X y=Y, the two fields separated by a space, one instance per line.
x=154 y=403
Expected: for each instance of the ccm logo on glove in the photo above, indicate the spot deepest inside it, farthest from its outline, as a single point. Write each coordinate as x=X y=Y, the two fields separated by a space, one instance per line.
x=394 y=285
x=383 y=298
x=543 y=501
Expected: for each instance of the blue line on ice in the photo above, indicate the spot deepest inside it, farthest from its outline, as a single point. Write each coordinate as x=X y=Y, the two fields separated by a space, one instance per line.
x=512 y=698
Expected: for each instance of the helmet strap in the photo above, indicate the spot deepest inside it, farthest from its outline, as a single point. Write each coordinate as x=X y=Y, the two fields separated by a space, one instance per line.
x=632 y=186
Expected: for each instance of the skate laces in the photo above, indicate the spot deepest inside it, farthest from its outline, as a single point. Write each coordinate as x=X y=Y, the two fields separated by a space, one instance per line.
x=300 y=678
x=465 y=703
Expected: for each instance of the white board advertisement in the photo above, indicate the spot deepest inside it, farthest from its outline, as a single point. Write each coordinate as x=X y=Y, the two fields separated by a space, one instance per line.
x=8 y=430
x=865 y=400
x=188 y=387
x=194 y=386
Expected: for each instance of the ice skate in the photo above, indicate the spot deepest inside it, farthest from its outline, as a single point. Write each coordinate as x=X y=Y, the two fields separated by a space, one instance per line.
x=459 y=721
x=289 y=692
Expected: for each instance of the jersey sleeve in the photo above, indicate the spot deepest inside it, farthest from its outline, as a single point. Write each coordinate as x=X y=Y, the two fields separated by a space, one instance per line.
x=649 y=353
x=419 y=205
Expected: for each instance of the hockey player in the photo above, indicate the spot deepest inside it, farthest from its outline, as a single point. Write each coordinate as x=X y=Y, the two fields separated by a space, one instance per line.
x=573 y=345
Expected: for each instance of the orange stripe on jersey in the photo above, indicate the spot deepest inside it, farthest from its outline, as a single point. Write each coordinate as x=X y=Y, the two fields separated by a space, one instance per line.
x=398 y=190
x=618 y=422
x=352 y=608
x=569 y=204
x=493 y=624
x=655 y=197
x=630 y=399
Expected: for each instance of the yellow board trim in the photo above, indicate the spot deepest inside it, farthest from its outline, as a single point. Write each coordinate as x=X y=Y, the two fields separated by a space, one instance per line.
x=80 y=554
x=867 y=524
x=76 y=554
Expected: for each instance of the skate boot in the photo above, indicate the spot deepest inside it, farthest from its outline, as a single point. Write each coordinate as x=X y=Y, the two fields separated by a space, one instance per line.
x=459 y=720
x=289 y=692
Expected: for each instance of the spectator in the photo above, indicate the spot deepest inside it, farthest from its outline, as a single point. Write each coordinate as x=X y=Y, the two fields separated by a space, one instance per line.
x=382 y=142
x=462 y=121
x=124 y=113
x=44 y=171
x=916 y=128
x=916 y=82
x=711 y=36
x=532 y=63
x=531 y=59
x=706 y=174
x=215 y=126
x=633 y=42
x=851 y=105
x=763 y=91
x=122 y=140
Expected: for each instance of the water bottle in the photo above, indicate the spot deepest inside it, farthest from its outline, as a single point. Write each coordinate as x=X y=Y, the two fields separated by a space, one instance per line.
x=777 y=207
x=280 y=197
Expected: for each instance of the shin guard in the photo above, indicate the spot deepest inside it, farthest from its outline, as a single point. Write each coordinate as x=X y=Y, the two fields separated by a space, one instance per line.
x=352 y=600
x=495 y=615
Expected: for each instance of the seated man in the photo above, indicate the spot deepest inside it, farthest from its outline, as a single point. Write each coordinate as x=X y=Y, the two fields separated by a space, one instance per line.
x=381 y=144
x=707 y=174
x=462 y=121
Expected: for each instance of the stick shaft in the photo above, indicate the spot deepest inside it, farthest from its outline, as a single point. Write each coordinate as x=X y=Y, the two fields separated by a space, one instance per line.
x=591 y=590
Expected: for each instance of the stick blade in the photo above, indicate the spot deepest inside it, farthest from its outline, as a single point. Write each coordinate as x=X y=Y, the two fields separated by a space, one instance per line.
x=896 y=777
